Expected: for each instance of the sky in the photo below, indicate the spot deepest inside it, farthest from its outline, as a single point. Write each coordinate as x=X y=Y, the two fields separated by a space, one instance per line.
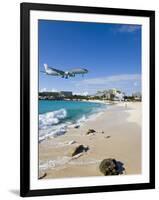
x=110 y=52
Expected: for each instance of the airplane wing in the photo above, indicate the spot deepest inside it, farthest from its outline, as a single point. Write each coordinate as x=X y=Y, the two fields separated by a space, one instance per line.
x=78 y=71
x=60 y=72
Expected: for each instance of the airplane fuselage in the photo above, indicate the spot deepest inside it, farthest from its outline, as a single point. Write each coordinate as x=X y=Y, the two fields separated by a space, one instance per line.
x=49 y=71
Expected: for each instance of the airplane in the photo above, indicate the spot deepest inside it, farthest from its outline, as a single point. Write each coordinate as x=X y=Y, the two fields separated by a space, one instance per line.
x=64 y=74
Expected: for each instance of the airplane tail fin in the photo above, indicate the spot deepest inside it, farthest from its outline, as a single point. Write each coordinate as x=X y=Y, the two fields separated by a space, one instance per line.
x=46 y=67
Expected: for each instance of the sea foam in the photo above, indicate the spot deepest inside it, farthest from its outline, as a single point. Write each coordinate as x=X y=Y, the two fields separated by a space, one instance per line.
x=51 y=118
x=49 y=124
x=57 y=122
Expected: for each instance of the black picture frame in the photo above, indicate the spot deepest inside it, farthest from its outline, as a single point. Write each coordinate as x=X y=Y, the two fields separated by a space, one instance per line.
x=25 y=9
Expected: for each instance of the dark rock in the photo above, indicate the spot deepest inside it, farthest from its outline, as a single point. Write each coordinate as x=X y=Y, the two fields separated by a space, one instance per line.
x=111 y=167
x=90 y=131
x=77 y=126
x=78 y=149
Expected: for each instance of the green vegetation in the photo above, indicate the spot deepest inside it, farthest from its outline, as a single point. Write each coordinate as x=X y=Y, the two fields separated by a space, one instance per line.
x=110 y=95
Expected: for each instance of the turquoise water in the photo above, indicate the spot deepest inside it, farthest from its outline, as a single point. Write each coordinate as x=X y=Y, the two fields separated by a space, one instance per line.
x=57 y=115
x=74 y=109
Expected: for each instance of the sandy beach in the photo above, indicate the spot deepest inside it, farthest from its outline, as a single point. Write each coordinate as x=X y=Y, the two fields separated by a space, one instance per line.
x=118 y=135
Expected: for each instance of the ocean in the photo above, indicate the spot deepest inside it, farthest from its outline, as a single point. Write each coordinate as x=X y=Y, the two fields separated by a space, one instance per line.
x=56 y=116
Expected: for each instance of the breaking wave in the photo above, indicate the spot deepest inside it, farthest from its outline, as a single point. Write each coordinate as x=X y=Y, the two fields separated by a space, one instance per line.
x=48 y=119
x=56 y=123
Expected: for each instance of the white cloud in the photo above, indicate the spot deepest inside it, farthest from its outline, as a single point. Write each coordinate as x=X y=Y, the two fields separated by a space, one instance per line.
x=53 y=90
x=135 y=84
x=48 y=90
x=43 y=90
x=128 y=28
x=127 y=83
x=110 y=79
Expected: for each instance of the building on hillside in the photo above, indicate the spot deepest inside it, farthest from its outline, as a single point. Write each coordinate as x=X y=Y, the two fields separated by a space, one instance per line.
x=111 y=94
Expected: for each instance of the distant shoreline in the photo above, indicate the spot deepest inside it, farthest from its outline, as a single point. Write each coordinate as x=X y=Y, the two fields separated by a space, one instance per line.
x=84 y=100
